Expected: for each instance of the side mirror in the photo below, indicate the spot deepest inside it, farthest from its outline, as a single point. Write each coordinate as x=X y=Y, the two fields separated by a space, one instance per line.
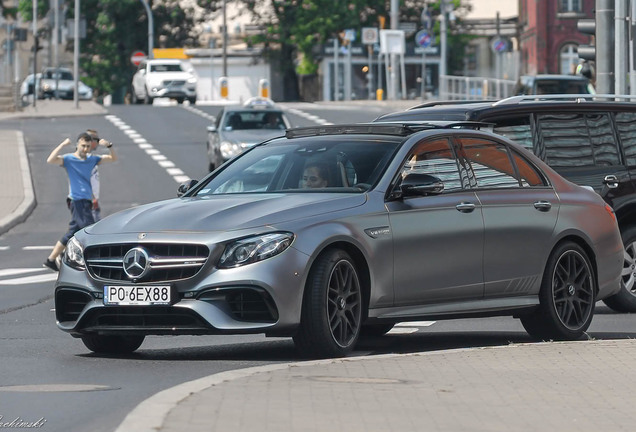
x=421 y=185
x=211 y=128
x=185 y=187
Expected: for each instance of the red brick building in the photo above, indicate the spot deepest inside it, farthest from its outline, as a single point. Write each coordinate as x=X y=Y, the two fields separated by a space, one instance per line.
x=548 y=38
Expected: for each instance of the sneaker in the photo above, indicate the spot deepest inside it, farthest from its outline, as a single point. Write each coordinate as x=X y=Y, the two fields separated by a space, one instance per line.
x=50 y=264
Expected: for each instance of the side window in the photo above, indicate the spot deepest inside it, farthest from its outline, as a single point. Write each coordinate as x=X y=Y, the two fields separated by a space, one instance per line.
x=528 y=174
x=490 y=163
x=515 y=129
x=434 y=158
x=577 y=140
x=626 y=125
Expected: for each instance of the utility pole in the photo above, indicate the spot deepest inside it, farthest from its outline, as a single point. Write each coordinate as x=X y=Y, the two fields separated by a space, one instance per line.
x=621 y=54
x=76 y=43
x=56 y=43
x=605 y=46
x=442 y=42
x=35 y=51
x=224 y=38
x=151 y=26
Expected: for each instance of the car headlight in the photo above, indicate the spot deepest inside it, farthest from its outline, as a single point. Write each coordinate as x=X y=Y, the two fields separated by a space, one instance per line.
x=253 y=249
x=74 y=254
x=192 y=80
x=46 y=87
x=230 y=149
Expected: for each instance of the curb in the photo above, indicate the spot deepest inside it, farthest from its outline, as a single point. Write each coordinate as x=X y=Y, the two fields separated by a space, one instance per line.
x=28 y=203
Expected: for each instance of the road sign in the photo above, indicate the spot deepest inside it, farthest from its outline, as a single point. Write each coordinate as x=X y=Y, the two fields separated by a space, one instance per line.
x=137 y=57
x=499 y=45
x=424 y=38
x=369 y=35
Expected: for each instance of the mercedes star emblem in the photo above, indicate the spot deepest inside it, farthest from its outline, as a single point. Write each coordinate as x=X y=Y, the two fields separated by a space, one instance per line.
x=136 y=263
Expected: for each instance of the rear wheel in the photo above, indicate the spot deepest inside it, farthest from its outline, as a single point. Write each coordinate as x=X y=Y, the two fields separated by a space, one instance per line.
x=147 y=98
x=625 y=299
x=332 y=307
x=192 y=101
x=566 y=298
x=108 y=344
x=179 y=101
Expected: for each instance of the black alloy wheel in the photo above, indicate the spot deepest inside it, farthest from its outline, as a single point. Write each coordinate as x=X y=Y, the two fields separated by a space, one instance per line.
x=332 y=307
x=567 y=296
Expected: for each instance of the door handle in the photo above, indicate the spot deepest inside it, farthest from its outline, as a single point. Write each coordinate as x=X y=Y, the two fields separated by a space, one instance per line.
x=543 y=206
x=465 y=207
x=611 y=181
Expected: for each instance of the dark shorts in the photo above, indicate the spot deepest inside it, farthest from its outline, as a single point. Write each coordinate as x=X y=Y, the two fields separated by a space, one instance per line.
x=81 y=216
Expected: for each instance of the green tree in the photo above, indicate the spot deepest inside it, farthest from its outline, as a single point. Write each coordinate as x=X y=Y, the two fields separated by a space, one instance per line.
x=295 y=28
x=117 y=28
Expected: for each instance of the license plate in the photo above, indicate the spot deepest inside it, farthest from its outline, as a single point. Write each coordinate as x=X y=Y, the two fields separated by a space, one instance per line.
x=136 y=295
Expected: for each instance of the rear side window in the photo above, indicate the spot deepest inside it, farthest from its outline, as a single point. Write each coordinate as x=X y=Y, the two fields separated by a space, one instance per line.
x=515 y=129
x=576 y=140
x=490 y=161
x=626 y=125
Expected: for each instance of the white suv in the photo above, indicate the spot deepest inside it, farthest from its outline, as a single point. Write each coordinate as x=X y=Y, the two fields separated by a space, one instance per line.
x=163 y=78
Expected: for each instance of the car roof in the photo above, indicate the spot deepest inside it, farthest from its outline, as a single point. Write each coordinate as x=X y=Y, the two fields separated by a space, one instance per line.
x=155 y=61
x=555 y=77
x=475 y=110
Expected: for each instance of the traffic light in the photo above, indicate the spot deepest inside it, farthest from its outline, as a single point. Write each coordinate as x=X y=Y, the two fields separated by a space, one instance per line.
x=587 y=26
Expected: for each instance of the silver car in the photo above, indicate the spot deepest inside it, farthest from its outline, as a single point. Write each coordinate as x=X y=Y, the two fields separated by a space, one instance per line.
x=238 y=128
x=333 y=232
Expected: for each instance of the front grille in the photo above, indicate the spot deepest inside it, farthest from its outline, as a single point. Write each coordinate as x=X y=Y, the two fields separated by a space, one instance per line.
x=167 y=262
x=173 y=83
x=153 y=318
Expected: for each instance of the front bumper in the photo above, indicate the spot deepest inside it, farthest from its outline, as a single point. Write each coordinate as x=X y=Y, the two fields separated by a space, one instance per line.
x=264 y=297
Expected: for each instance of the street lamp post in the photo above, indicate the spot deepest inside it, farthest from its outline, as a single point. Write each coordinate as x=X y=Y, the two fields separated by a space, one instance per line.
x=151 y=35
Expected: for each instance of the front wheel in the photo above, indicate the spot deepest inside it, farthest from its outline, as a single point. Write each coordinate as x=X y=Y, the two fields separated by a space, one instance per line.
x=566 y=298
x=147 y=98
x=108 y=344
x=332 y=307
x=625 y=299
x=192 y=101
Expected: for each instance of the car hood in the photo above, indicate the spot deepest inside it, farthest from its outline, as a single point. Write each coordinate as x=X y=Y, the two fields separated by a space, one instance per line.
x=251 y=136
x=223 y=212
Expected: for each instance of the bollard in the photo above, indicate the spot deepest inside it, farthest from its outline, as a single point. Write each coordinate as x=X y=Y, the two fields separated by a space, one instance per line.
x=223 y=87
x=379 y=94
x=263 y=88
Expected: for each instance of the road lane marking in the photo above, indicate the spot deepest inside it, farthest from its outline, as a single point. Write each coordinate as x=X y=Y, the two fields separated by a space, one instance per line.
x=30 y=279
x=17 y=271
x=29 y=248
x=177 y=174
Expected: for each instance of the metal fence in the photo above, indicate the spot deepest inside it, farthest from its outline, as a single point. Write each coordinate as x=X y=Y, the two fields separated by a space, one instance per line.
x=474 y=88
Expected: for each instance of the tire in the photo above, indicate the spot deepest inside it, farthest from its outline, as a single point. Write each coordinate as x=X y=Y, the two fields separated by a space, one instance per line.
x=375 y=330
x=331 y=314
x=134 y=99
x=112 y=344
x=179 y=101
x=193 y=101
x=147 y=98
x=566 y=297
x=625 y=299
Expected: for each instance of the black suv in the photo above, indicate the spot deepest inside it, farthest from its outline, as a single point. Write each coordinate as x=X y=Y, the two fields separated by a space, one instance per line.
x=589 y=140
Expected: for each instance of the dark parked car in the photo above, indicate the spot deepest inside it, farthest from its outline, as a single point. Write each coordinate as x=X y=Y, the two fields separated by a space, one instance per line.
x=553 y=84
x=590 y=141
x=238 y=128
x=329 y=232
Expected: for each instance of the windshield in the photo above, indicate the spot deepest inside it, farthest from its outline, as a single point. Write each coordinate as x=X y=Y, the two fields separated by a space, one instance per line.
x=165 y=68
x=244 y=120
x=350 y=164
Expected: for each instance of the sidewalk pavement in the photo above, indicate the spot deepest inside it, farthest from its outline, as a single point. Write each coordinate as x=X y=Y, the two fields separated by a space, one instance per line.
x=573 y=386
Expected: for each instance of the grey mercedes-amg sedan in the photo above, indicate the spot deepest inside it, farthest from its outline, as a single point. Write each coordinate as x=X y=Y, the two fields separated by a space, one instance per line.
x=333 y=232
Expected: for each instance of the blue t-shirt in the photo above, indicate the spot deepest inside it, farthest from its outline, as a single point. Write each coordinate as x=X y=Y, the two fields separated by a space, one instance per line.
x=79 y=175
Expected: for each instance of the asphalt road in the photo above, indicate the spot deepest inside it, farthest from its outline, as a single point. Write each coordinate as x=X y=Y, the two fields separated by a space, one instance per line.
x=47 y=374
